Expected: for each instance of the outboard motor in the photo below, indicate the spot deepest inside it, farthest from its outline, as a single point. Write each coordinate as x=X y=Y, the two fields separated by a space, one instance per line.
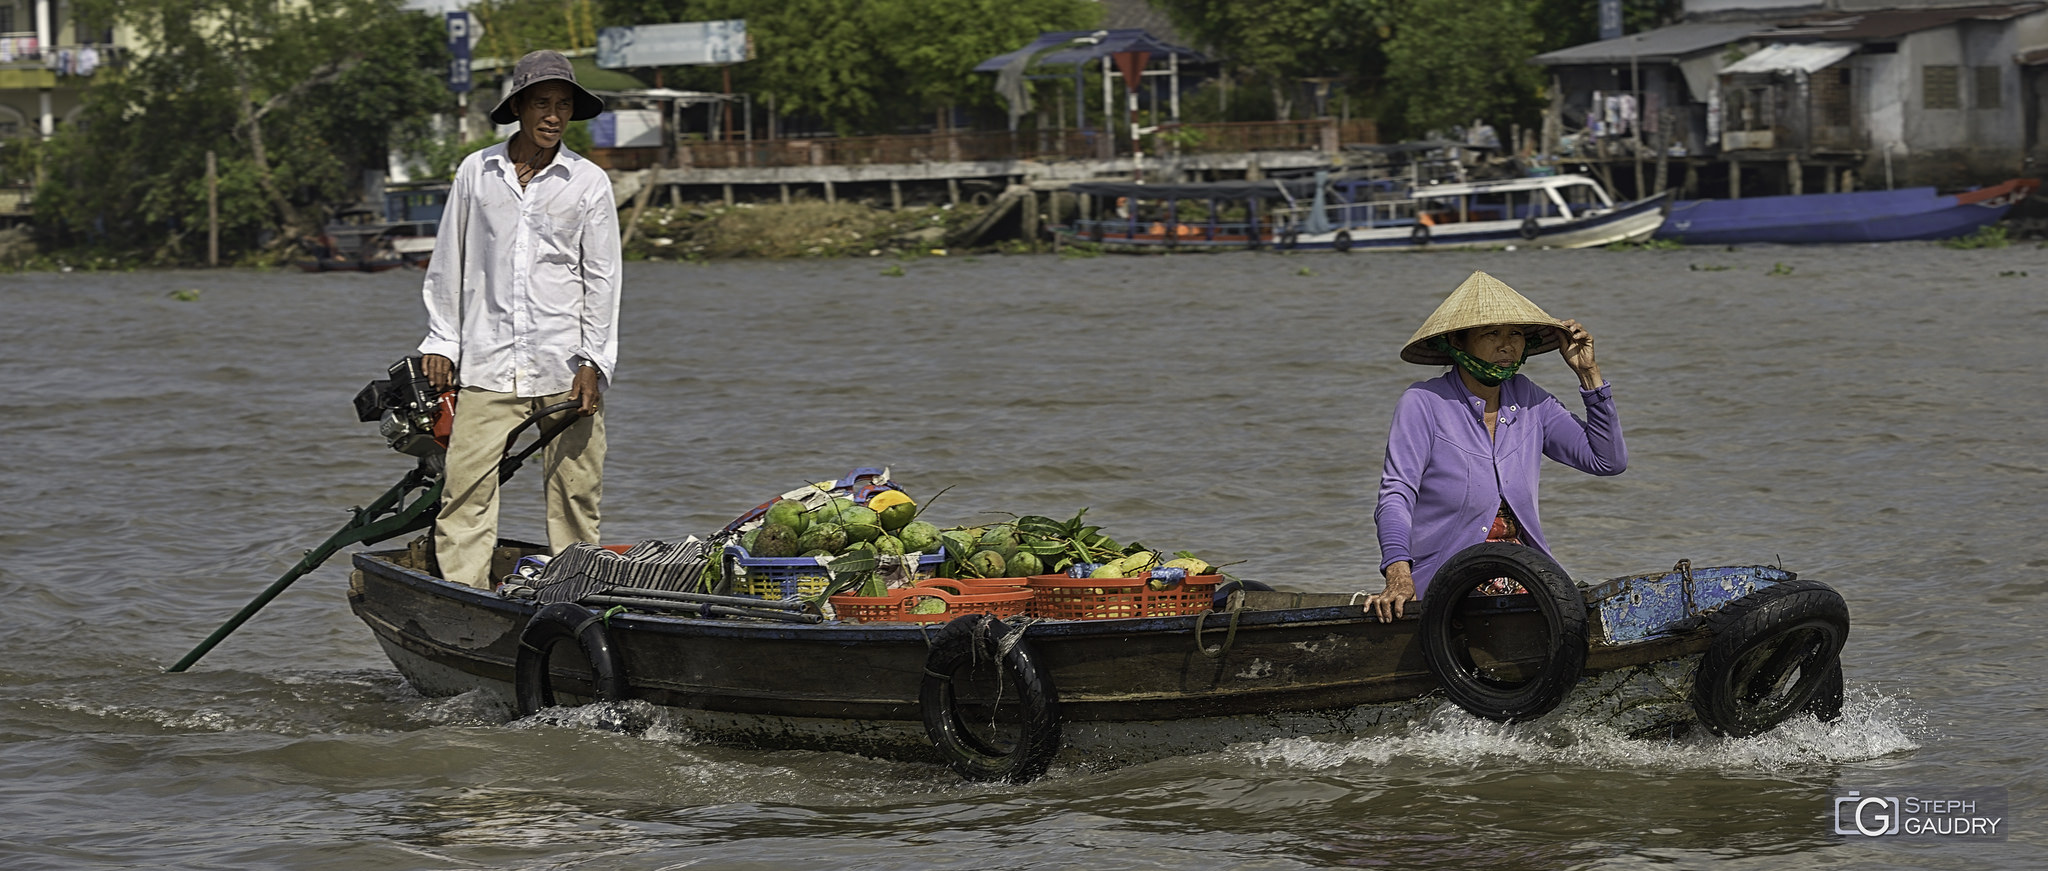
x=413 y=417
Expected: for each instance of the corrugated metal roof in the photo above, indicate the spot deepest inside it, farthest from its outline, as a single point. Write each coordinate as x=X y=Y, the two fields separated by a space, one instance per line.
x=1804 y=57
x=1664 y=44
x=1891 y=24
x=1087 y=45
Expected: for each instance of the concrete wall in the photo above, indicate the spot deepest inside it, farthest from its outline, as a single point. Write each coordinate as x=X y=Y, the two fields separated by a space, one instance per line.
x=1948 y=147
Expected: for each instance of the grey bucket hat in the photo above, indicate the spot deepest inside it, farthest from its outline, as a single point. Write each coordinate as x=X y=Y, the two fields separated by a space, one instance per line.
x=542 y=66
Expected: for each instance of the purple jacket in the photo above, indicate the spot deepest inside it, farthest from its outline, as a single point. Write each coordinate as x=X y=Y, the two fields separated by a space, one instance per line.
x=1444 y=480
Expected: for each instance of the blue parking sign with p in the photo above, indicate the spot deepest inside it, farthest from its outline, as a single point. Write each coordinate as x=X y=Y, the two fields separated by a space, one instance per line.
x=458 y=48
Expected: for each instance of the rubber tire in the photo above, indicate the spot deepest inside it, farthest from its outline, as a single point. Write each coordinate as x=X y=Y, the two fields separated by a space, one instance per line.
x=1826 y=704
x=1341 y=242
x=1531 y=229
x=1419 y=235
x=1289 y=238
x=1564 y=610
x=1095 y=233
x=564 y=621
x=1755 y=621
x=965 y=640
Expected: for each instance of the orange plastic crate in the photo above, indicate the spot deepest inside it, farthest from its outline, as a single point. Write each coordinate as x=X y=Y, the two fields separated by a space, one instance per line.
x=1058 y=597
x=959 y=598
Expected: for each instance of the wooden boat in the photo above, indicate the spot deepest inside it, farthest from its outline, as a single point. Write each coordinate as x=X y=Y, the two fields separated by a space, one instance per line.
x=1559 y=211
x=1857 y=216
x=1002 y=700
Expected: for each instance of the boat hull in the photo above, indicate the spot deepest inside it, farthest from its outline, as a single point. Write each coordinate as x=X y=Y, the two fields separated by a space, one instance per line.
x=1858 y=216
x=1128 y=689
x=1627 y=223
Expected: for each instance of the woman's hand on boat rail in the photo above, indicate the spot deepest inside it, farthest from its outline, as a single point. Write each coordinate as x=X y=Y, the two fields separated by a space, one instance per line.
x=1391 y=601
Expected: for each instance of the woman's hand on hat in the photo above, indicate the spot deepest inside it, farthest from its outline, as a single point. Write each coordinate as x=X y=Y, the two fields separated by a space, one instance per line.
x=1575 y=345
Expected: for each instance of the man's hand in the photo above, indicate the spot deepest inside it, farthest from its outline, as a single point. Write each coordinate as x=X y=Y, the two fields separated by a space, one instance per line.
x=1400 y=590
x=584 y=390
x=440 y=371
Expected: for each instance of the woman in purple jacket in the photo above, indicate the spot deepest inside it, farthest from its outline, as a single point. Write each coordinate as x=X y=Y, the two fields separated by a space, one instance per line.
x=1464 y=450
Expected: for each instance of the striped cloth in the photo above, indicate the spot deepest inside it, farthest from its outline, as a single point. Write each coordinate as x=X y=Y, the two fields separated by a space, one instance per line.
x=586 y=569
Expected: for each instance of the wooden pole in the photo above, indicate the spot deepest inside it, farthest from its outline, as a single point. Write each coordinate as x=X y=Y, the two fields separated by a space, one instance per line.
x=212 y=211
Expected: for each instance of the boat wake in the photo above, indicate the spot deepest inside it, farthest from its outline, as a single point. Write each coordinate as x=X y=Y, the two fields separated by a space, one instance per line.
x=1580 y=734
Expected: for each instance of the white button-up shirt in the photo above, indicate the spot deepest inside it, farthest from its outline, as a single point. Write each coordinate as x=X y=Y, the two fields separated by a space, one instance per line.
x=523 y=287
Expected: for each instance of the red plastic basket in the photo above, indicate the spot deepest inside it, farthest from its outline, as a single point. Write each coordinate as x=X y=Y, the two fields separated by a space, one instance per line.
x=1058 y=597
x=959 y=599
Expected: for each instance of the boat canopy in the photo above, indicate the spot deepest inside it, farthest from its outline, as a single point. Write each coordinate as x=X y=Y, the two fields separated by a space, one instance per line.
x=1213 y=190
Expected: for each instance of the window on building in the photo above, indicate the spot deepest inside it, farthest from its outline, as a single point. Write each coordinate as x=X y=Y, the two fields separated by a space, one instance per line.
x=6 y=16
x=1987 y=87
x=1939 y=88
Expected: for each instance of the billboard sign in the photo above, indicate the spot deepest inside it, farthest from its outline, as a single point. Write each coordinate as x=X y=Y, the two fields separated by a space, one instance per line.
x=691 y=43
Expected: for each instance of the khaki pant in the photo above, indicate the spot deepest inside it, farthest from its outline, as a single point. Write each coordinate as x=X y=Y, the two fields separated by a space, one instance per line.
x=572 y=464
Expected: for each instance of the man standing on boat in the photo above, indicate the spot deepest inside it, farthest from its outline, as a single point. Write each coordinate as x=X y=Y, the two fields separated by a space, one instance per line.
x=522 y=313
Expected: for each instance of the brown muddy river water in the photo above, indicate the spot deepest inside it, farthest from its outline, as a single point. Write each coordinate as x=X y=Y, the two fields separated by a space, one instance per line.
x=1862 y=415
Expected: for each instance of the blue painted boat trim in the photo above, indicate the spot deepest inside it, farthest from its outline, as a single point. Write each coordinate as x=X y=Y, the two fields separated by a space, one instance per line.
x=1640 y=607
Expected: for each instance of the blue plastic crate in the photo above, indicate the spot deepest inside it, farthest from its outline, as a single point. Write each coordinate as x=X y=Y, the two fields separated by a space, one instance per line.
x=789 y=577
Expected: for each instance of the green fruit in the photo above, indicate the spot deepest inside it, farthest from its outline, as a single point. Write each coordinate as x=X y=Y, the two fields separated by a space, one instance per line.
x=789 y=513
x=919 y=537
x=1024 y=565
x=1190 y=565
x=776 y=540
x=958 y=543
x=888 y=545
x=895 y=516
x=861 y=547
x=828 y=537
x=833 y=511
x=861 y=524
x=987 y=564
x=816 y=552
x=747 y=539
x=999 y=538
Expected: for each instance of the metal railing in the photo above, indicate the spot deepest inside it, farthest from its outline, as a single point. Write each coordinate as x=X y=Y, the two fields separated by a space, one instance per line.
x=965 y=146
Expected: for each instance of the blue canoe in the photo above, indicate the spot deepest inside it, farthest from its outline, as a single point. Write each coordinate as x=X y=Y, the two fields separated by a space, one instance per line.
x=1860 y=216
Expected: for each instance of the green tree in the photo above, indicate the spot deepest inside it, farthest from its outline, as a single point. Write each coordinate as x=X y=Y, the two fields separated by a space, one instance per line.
x=1452 y=61
x=296 y=100
x=1279 y=43
x=865 y=65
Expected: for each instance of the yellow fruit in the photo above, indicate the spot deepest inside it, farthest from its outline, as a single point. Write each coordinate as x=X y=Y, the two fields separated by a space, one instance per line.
x=880 y=502
x=1192 y=565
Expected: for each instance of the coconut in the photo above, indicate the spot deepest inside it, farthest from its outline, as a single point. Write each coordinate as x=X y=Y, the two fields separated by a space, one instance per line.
x=1024 y=564
x=789 y=513
x=987 y=564
x=776 y=540
x=828 y=537
x=919 y=537
x=861 y=524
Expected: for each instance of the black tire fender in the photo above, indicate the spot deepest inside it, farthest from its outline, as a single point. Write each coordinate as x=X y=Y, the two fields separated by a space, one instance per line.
x=1531 y=228
x=1745 y=683
x=981 y=637
x=563 y=621
x=1342 y=241
x=1095 y=232
x=1559 y=600
x=1289 y=238
x=1419 y=235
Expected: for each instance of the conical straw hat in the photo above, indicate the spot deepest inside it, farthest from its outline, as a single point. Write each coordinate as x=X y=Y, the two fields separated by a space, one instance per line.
x=1482 y=301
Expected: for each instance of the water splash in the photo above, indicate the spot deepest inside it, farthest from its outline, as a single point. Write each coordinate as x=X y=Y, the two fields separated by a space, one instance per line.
x=1873 y=724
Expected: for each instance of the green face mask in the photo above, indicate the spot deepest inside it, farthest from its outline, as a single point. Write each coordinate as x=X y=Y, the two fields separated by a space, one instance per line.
x=1480 y=370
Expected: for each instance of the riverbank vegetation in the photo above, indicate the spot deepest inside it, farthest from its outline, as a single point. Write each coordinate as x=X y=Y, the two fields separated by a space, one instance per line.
x=296 y=102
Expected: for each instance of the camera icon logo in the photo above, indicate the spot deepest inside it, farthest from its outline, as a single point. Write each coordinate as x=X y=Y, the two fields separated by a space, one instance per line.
x=1868 y=815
